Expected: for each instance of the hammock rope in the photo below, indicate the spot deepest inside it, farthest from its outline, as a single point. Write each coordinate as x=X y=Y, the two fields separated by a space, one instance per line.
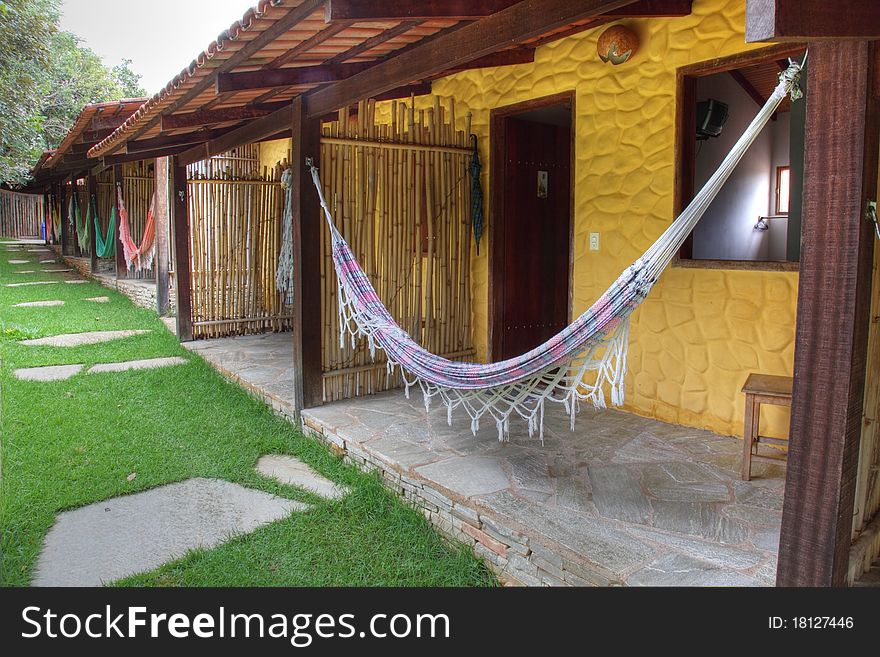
x=573 y=366
x=83 y=238
x=137 y=258
x=105 y=247
x=56 y=222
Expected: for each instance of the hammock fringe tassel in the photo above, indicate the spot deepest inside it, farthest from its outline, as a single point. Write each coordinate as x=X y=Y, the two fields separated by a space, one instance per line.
x=574 y=366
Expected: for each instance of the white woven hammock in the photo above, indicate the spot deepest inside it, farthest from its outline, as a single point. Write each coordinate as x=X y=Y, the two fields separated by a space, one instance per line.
x=573 y=366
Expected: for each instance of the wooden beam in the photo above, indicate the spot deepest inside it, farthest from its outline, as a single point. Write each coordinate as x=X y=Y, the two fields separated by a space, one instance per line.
x=162 y=217
x=182 y=260
x=212 y=117
x=519 y=22
x=64 y=188
x=811 y=20
x=284 y=77
x=391 y=10
x=92 y=186
x=747 y=87
x=95 y=135
x=242 y=55
x=308 y=379
x=121 y=267
x=173 y=141
x=305 y=46
x=652 y=9
x=108 y=122
x=401 y=28
x=257 y=130
x=840 y=176
x=110 y=160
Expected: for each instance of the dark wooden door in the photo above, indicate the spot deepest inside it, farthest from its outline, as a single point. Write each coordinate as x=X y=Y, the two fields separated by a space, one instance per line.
x=535 y=246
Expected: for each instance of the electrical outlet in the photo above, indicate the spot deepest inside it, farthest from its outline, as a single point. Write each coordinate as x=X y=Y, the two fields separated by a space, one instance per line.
x=594 y=241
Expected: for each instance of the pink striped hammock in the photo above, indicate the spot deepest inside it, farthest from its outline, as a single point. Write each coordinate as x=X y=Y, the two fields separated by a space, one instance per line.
x=575 y=365
x=137 y=258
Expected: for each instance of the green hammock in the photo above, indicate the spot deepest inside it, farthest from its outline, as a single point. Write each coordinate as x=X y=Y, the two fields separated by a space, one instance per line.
x=83 y=237
x=104 y=247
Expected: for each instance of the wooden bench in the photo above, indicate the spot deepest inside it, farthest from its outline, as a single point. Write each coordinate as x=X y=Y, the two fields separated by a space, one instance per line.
x=762 y=389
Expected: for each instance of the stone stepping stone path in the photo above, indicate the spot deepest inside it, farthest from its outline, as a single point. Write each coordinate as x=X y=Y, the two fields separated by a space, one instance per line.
x=76 y=282
x=126 y=535
x=59 y=373
x=148 y=364
x=56 y=271
x=38 y=304
x=293 y=472
x=45 y=374
x=26 y=271
x=31 y=283
x=39 y=251
x=50 y=261
x=19 y=262
x=99 y=299
x=80 y=339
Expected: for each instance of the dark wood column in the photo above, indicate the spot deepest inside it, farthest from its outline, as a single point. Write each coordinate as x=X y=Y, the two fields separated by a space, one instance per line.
x=308 y=377
x=182 y=260
x=162 y=217
x=66 y=188
x=121 y=269
x=92 y=186
x=840 y=176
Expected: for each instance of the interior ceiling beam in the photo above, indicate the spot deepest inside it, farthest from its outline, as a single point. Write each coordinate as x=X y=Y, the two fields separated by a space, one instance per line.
x=811 y=20
x=747 y=86
x=390 y=10
x=110 y=160
x=287 y=77
x=520 y=22
x=241 y=56
x=204 y=118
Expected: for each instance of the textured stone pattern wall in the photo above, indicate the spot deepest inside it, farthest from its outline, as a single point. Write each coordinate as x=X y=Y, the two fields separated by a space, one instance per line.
x=702 y=331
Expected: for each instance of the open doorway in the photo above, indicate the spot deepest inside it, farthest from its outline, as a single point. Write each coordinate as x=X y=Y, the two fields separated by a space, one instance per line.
x=531 y=223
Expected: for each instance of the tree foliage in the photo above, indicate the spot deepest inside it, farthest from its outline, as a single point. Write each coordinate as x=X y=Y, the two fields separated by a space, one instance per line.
x=46 y=77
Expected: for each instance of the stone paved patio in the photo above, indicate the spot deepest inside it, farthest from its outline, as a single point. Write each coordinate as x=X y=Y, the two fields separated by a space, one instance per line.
x=622 y=500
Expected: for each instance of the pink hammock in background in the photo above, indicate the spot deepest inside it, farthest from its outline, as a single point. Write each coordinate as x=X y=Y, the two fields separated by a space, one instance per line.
x=137 y=258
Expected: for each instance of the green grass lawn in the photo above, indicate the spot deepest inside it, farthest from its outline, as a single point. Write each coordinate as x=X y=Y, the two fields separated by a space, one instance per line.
x=70 y=443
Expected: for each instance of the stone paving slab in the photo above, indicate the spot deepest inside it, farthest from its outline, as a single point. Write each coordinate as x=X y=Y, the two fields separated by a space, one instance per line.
x=126 y=535
x=19 y=262
x=26 y=271
x=99 y=299
x=38 y=304
x=682 y=570
x=147 y=364
x=32 y=283
x=45 y=374
x=293 y=472
x=56 y=271
x=79 y=339
x=76 y=282
x=48 y=261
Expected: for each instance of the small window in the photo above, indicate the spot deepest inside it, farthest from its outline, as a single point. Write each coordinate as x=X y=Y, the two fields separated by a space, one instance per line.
x=783 y=189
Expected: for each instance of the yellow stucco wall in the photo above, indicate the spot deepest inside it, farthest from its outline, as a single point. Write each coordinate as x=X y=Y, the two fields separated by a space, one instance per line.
x=273 y=152
x=701 y=331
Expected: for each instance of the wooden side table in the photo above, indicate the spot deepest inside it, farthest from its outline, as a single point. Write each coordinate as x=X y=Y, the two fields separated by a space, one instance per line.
x=762 y=389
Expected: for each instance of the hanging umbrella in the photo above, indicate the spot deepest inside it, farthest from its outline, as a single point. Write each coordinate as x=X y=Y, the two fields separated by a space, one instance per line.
x=476 y=193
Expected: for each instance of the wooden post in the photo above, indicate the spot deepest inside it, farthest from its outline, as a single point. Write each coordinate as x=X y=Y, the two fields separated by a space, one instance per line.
x=47 y=217
x=840 y=176
x=161 y=216
x=182 y=267
x=66 y=187
x=92 y=186
x=308 y=377
x=121 y=267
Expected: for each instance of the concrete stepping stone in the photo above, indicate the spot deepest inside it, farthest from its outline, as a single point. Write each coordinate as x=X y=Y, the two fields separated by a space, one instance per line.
x=126 y=535
x=56 y=271
x=50 y=373
x=79 y=339
x=25 y=271
x=19 y=262
x=31 y=283
x=293 y=472
x=76 y=282
x=38 y=304
x=148 y=364
x=39 y=251
x=50 y=261
x=99 y=299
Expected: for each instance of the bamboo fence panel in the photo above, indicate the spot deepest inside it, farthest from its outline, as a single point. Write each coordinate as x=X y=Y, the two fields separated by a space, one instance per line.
x=400 y=195
x=138 y=182
x=235 y=239
x=21 y=215
x=82 y=198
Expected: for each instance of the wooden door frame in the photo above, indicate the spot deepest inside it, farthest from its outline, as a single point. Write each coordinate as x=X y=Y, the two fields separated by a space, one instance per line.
x=495 y=233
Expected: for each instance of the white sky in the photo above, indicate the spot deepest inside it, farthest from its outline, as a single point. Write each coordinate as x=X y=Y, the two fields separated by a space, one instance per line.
x=160 y=37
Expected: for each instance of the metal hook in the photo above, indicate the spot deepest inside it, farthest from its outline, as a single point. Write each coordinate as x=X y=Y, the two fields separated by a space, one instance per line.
x=871 y=215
